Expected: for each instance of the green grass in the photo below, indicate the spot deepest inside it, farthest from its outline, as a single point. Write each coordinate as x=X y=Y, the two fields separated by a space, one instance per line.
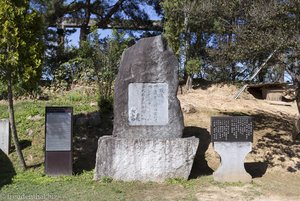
x=78 y=187
x=33 y=184
x=31 y=132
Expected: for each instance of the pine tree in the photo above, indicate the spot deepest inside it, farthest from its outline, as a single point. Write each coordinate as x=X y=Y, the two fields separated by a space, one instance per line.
x=21 y=51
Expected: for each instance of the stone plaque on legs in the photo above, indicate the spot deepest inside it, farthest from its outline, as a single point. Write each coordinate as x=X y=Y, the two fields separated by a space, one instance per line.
x=232 y=139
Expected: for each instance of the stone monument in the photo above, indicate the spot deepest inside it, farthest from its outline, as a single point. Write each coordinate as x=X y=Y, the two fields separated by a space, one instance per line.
x=4 y=135
x=146 y=144
x=232 y=139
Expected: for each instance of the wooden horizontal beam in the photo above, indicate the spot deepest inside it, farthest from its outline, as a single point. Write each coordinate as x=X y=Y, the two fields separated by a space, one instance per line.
x=148 y=25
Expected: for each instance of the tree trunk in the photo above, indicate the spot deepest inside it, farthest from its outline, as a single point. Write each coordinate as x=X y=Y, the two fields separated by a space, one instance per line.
x=233 y=72
x=186 y=43
x=13 y=124
x=296 y=131
x=297 y=91
x=261 y=75
x=189 y=83
x=294 y=71
x=233 y=67
x=60 y=37
x=280 y=76
x=84 y=30
x=60 y=43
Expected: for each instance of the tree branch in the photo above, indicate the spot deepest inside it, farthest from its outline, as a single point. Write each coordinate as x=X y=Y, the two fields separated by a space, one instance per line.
x=112 y=11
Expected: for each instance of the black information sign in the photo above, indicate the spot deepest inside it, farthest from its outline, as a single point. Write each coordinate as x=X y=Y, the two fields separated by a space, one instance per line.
x=58 y=140
x=232 y=129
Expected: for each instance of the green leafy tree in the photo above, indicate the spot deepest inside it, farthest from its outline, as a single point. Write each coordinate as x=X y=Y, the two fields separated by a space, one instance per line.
x=226 y=33
x=239 y=32
x=97 y=60
x=119 y=14
x=21 y=51
x=188 y=26
x=260 y=28
x=173 y=23
x=192 y=68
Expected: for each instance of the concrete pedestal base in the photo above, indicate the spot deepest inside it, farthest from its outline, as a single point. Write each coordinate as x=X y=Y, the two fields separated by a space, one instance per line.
x=145 y=159
x=232 y=161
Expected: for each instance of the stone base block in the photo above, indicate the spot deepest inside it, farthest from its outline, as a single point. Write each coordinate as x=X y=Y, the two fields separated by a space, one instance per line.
x=232 y=161
x=145 y=159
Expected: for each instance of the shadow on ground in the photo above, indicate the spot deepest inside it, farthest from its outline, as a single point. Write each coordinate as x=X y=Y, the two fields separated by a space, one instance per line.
x=197 y=83
x=256 y=169
x=35 y=165
x=200 y=166
x=275 y=144
x=7 y=170
x=23 y=143
x=87 y=130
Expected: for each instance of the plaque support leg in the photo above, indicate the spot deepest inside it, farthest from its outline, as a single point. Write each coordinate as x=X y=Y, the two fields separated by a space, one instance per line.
x=232 y=161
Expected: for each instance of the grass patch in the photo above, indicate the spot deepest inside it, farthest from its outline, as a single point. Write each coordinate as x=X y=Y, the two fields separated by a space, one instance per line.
x=106 y=180
x=29 y=184
x=228 y=184
x=180 y=181
x=30 y=122
x=79 y=187
x=33 y=184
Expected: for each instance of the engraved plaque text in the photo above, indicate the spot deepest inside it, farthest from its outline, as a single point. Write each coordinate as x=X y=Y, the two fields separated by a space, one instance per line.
x=232 y=129
x=58 y=131
x=148 y=104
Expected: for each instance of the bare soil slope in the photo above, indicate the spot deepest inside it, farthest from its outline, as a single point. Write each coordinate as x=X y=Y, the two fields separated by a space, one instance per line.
x=274 y=161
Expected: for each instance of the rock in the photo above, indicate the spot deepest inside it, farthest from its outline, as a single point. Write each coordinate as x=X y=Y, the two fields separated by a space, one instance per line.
x=29 y=132
x=43 y=97
x=296 y=130
x=93 y=104
x=145 y=159
x=189 y=108
x=150 y=70
x=30 y=157
x=35 y=118
x=289 y=94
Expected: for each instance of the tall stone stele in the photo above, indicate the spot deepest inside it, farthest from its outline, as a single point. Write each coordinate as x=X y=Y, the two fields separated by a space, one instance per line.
x=146 y=144
x=4 y=136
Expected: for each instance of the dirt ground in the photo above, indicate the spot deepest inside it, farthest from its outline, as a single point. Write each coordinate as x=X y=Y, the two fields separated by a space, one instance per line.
x=274 y=162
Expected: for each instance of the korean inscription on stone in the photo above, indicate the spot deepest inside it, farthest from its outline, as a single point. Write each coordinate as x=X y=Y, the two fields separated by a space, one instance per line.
x=232 y=129
x=148 y=104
